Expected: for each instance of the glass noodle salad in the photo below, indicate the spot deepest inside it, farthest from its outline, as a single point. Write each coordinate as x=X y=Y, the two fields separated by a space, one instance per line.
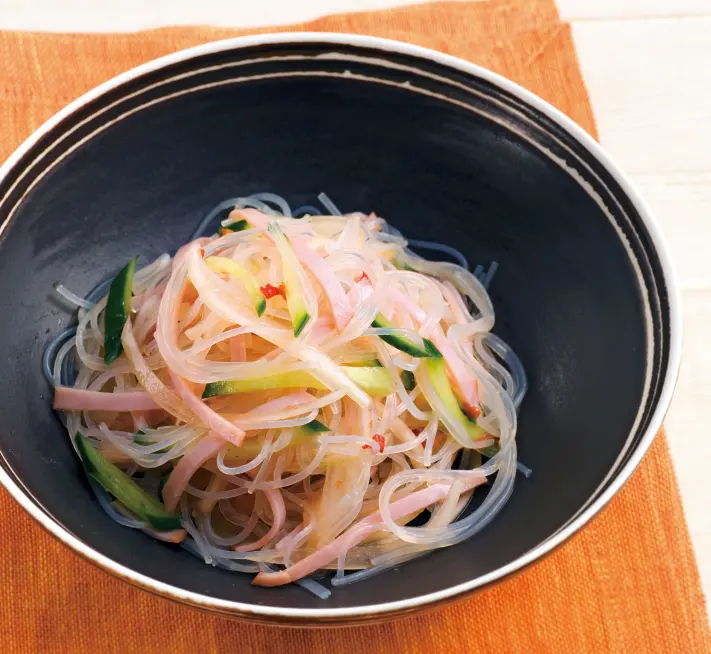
x=297 y=398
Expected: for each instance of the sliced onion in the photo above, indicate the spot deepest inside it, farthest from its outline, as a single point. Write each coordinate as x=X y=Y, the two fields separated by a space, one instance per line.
x=162 y=395
x=74 y=399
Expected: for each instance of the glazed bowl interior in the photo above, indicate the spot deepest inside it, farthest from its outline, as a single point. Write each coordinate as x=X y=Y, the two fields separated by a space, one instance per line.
x=445 y=152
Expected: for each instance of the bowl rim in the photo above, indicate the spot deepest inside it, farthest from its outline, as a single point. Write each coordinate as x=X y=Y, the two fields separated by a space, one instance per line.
x=380 y=610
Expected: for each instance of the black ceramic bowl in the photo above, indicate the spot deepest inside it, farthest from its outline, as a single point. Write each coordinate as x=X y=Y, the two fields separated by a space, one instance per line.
x=444 y=150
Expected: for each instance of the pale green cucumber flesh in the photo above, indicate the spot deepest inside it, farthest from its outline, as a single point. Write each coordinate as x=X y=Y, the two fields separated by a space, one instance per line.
x=374 y=381
x=440 y=383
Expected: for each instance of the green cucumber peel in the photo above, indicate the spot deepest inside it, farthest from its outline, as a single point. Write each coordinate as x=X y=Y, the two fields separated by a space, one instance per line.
x=314 y=427
x=237 y=226
x=116 y=482
x=403 y=343
x=408 y=380
x=118 y=310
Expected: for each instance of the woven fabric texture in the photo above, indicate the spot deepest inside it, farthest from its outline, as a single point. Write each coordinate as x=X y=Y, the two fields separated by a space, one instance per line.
x=627 y=583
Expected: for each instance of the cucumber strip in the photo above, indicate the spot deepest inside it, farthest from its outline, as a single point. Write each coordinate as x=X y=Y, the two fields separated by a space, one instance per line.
x=139 y=438
x=314 y=427
x=293 y=379
x=118 y=309
x=124 y=489
x=437 y=371
x=295 y=300
x=490 y=451
x=374 y=381
x=251 y=448
x=401 y=342
x=408 y=380
x=237 y=226
x=370 y=363
x=229 y=267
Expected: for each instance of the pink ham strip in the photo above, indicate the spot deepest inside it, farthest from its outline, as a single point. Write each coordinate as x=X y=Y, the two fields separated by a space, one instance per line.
x=227 y=430
x=276 y=503
x=193 y=459
x=466 y=382
x=356 y=534
x=340 y=306
x=238 y=349
x=74 y=399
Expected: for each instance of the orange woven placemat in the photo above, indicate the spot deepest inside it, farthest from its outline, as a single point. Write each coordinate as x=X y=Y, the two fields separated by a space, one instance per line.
x=627 y=583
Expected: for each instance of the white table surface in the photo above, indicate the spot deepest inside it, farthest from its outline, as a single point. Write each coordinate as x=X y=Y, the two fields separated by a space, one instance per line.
x=646 y=65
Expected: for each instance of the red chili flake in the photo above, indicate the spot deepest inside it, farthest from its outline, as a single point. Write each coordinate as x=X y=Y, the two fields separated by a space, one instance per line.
x=364 y=276
x=472 y=410
x=380 y=440
x=270 y=291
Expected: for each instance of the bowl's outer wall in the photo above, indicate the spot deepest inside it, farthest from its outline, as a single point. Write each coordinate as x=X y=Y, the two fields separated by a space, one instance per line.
x=565 y=295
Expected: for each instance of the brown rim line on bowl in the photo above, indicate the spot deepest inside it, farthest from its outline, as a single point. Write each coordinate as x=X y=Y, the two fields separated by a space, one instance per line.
x=443 y=102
